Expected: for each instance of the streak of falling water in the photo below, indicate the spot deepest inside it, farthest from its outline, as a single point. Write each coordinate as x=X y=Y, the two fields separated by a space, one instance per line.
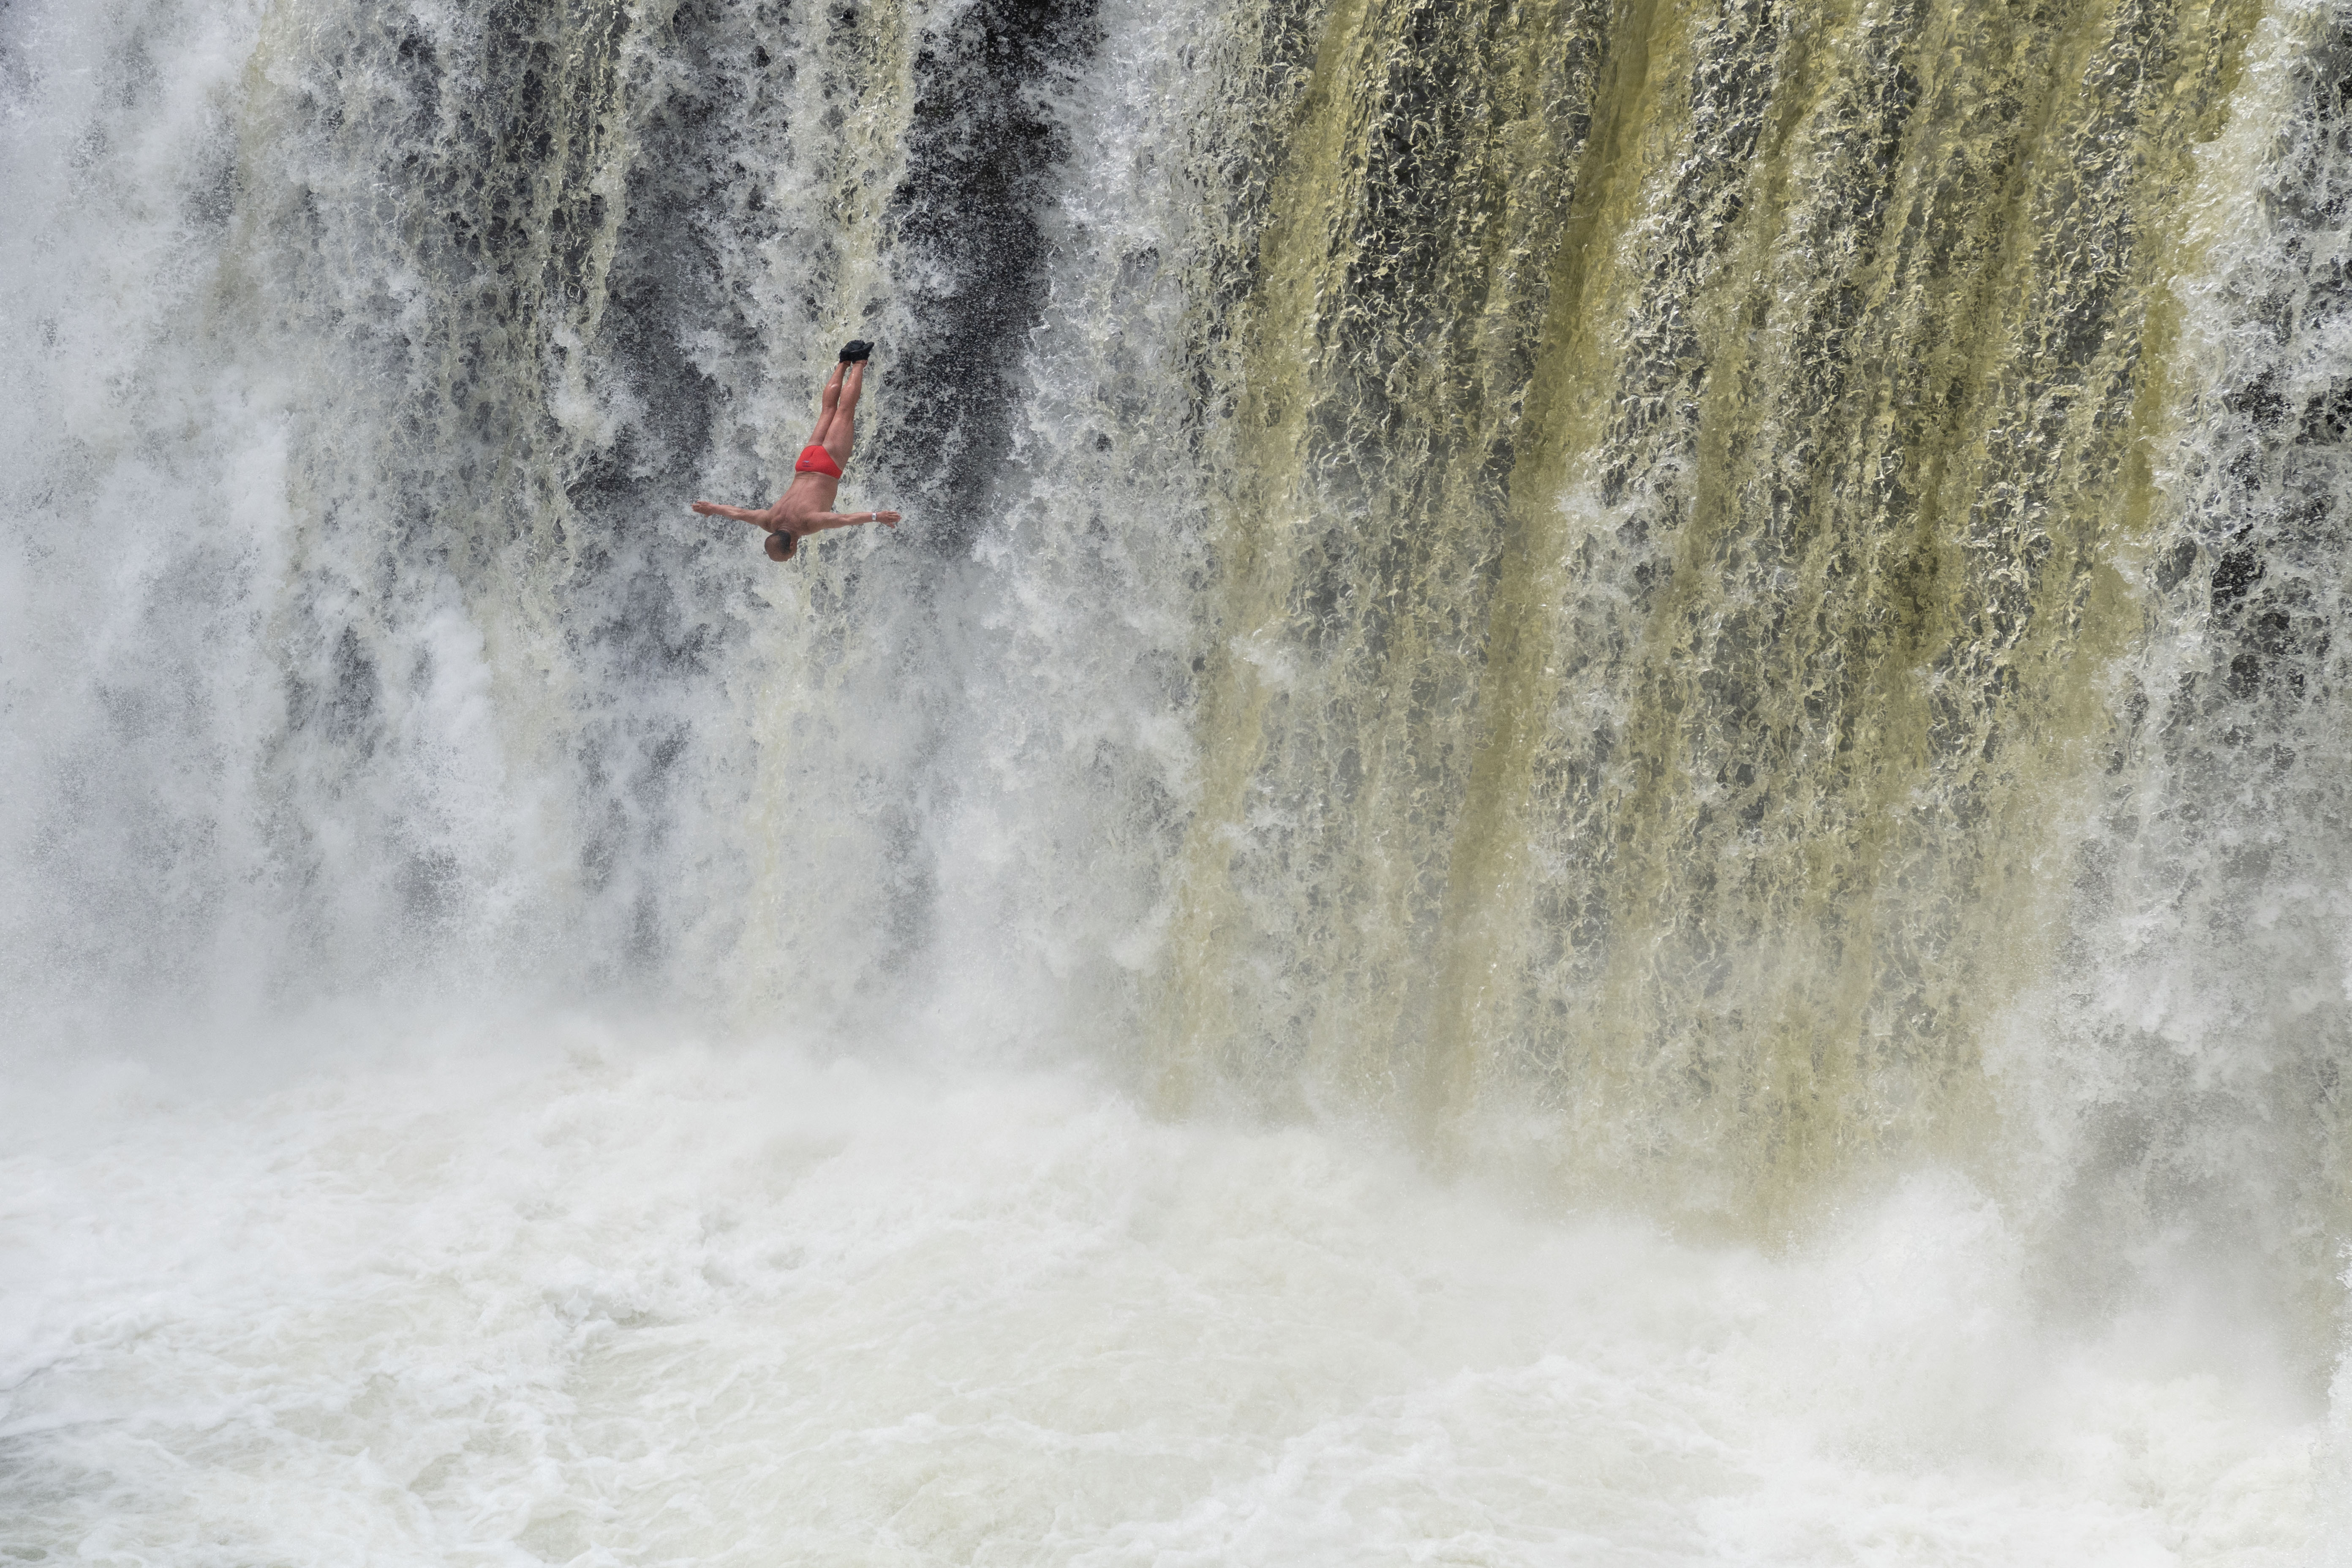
x=1712 y=496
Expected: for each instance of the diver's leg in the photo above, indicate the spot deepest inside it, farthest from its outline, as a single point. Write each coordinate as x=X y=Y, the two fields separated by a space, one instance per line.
x=841 y=426
x=825 y=411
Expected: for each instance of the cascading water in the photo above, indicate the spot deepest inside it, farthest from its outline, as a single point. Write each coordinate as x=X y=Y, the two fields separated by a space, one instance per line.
x=1596 y=813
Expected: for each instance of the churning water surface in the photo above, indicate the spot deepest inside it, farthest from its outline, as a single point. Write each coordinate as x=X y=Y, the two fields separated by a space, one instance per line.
x=592 y=1296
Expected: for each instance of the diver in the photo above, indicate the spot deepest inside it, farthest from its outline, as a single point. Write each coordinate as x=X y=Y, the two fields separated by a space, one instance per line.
x=807 y=507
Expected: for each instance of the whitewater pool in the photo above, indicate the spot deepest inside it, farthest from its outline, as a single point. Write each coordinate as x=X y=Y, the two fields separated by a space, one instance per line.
x=569 y=1293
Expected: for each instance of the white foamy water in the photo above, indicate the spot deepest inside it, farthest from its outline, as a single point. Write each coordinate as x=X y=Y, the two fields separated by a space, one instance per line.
x=594 y=1297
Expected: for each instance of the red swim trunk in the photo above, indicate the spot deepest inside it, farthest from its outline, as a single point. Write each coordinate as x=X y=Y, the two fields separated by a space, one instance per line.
x=817 y=460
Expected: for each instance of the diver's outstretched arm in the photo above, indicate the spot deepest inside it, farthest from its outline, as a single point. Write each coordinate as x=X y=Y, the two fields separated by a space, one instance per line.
x=825 y=520
x=763 y=518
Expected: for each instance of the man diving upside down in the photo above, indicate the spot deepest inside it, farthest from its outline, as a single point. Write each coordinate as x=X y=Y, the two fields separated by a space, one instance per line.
x=807 y=507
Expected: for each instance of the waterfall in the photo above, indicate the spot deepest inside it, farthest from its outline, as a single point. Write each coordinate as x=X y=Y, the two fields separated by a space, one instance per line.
x=1607 y=659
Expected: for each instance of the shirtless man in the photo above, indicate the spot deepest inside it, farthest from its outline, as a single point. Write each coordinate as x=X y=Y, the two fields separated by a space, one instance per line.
x=807 y=507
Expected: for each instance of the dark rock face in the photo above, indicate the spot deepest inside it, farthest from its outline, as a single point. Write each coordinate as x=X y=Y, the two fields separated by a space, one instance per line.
x=981 y=163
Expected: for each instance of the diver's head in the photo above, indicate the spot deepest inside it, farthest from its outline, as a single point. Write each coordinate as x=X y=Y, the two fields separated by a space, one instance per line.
x=780 y=545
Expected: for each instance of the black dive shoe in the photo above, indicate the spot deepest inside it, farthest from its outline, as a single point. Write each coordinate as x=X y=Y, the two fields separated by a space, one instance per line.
x=858 y=349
